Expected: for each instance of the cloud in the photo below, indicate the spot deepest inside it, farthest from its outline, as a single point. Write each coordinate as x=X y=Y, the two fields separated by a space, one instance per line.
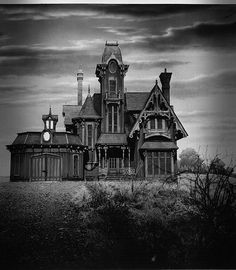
x=139 y=64
x=221 y=83
x=46 y=12
x=199 y=35
x=40 y=59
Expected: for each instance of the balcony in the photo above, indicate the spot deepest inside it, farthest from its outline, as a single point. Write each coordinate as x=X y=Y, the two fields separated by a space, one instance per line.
x=112 y=96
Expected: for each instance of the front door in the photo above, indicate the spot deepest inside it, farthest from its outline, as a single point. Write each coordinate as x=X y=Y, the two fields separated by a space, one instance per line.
x=45 y=167
x=114 y=165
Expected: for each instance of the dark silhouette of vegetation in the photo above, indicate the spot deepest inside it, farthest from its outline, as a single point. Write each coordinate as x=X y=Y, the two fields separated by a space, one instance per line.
x=131 y=225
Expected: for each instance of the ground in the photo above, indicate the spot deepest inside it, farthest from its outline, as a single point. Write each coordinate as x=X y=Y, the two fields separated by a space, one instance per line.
x=45 y=225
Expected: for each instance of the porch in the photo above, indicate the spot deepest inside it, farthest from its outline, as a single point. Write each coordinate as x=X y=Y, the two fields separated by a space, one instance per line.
x=114 y=162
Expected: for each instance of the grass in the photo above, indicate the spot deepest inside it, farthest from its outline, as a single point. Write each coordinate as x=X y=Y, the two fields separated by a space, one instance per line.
x=71 y=225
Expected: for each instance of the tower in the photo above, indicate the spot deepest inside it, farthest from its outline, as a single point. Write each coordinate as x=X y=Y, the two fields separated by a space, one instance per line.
x=80 y=86
x=111 y=73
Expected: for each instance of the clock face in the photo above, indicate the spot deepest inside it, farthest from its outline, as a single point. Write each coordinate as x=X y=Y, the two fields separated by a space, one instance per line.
x=112 y=66
x=46 y=136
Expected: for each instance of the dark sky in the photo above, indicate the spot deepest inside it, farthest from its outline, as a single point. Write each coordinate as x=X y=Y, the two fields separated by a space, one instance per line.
x=43 y=46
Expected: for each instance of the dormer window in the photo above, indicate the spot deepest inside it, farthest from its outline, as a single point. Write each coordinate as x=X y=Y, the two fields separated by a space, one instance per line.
x=157 y=124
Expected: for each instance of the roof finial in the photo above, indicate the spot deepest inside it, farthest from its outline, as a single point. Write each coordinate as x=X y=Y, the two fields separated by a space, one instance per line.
x=89 y=90
x=50 y=110
x=165 y=70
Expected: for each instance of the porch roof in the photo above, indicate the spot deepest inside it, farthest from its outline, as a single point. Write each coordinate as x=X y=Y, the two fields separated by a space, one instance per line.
x=159 y=146
x=112 y=139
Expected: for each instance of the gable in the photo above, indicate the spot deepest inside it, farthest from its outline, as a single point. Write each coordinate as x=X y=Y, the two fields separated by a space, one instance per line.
x=157 y=104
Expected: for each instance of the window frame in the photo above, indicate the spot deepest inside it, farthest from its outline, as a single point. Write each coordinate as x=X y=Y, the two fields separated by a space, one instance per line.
x=157 y=158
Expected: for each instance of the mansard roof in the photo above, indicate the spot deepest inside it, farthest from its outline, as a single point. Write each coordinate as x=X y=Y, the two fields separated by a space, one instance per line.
x=111 y=50
x=135 y=101
x=31 y=138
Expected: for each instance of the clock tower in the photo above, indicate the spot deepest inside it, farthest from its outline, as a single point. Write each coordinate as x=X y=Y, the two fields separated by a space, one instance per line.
x=50 y=121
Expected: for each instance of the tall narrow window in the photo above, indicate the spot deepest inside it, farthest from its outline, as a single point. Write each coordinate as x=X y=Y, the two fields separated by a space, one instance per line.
x=149 y=163
x=159 y=123
x=168 y=162
x=152 y=124
x=51 y=124
x=90 y=133
x=115 y=118
x=112 y=86
x=47 y=124
x=110 y=118
x=76 y=165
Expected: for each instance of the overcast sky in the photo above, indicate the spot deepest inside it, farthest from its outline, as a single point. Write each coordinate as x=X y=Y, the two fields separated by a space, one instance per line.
x=43 y=46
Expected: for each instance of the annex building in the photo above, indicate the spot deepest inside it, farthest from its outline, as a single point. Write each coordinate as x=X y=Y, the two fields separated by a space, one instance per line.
x=112 y=135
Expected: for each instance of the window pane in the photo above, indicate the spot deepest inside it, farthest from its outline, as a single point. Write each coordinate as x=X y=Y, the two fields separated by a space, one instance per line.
x=75 y=165
x=162 y=164
x=110 y=118
x=168 y=163
x=115 y=118
x=149 y=161
x=152 y=123
x=47 y=124
x=156 y=165
x=89 y=135
x=159 y=123
x=112 y=87
x=51 y=124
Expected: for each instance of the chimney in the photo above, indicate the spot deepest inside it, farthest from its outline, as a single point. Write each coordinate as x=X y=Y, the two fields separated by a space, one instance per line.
x=165 y=81
x=80 y=86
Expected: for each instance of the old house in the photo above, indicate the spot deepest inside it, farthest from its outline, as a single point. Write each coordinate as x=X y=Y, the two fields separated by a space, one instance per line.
x=126 y=132
x=112 y=135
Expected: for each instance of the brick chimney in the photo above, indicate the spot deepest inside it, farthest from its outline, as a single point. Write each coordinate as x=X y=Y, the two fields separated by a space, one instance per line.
x=80 y=77
x=165 y=82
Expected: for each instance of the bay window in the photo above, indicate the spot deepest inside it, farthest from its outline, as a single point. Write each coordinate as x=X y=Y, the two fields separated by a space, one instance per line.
x=158 y=163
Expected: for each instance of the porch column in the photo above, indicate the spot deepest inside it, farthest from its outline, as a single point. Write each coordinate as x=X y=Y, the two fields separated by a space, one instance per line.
x=129 y=157
x=83 y=133
x=105 y=163
x=99 y=157
x=123 y=157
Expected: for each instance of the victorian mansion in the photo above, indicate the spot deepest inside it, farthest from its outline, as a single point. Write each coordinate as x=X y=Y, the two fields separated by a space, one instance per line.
x=113 y=134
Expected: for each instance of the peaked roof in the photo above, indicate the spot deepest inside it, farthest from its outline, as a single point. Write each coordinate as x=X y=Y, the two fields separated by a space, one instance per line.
x=88 y=110
x=135 y=101
x=69 y=112
x=139 y=120
x=50 y=115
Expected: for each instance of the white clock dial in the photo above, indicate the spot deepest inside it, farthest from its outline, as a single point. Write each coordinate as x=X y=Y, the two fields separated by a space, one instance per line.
x=46 y=136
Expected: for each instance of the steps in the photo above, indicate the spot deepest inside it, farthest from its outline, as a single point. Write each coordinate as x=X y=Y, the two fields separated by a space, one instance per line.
x=113 y=177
